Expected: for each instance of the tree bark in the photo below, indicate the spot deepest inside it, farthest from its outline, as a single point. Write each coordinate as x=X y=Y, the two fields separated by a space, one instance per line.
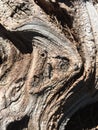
x=48 y=62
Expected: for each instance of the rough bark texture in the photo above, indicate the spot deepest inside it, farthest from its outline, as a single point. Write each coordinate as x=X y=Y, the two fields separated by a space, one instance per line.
x=48 y=62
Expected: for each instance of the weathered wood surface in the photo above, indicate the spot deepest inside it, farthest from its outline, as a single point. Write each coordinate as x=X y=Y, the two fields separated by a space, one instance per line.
x=48 y=62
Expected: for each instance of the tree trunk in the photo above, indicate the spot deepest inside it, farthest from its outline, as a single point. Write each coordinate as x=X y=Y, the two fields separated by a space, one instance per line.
x=48 y=62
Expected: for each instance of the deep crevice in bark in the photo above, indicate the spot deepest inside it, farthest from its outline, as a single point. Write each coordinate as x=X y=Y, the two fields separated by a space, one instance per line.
x=1 y=60
x=84 y=119
x=19 y=125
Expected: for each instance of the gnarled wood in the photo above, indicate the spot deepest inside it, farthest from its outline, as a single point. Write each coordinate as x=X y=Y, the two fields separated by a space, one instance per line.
x=48 y=70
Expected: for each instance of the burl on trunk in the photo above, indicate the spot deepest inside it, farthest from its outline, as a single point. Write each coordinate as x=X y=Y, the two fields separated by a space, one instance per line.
x=48 y=62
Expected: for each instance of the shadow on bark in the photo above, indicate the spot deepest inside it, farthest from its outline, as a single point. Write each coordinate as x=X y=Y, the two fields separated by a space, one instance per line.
x=19 y=125
x=22 y=40
x=84 y=119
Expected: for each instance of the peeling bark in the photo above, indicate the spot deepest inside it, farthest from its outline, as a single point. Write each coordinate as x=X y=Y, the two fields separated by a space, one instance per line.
x=48 y=62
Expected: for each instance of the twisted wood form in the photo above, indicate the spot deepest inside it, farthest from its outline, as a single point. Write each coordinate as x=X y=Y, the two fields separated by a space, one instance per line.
x=44 y=76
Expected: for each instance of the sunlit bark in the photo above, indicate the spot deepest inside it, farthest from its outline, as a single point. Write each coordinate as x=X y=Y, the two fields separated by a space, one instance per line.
x=48 y=62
